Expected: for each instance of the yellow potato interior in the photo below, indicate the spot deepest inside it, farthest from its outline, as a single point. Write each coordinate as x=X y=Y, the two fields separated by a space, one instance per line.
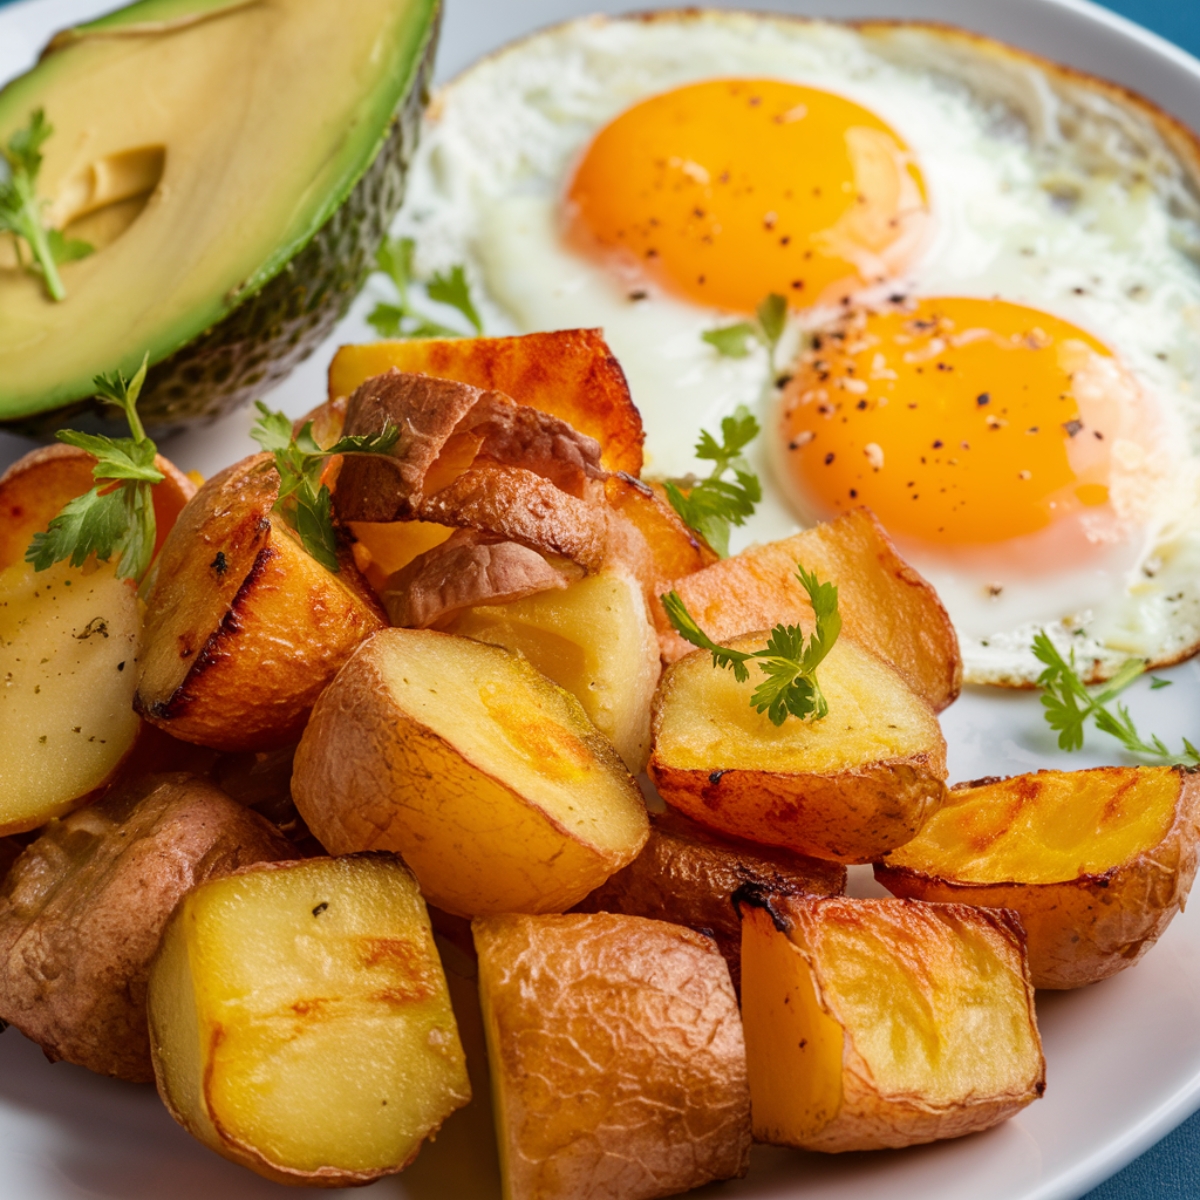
x=874 y=716
x=68 y=657
x=1046 y=828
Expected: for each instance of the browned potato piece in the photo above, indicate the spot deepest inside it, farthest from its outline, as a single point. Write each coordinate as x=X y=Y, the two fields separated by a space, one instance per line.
x=300 y=1020
x=687 y=875
x=884 y=1023
x=618 y=1064
x=1096 y=863
x=487 y=778
x=570 y=374
x=869 y=774
x=243 y=628
x=82 y=911
x=884 y=603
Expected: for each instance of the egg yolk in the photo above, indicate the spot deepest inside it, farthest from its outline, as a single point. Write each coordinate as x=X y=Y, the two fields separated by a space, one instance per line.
x=725 y=191
x=958 y=421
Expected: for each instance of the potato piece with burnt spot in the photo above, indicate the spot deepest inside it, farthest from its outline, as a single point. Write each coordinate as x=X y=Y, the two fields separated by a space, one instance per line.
x=1097 y=863
x=882 y=1023
x=300 y=1021
x=687 y=875
x=868 y=774
x=618 y=1064
x=82 y=910
x=243 y=627
x=884 y=603
x=487 y=777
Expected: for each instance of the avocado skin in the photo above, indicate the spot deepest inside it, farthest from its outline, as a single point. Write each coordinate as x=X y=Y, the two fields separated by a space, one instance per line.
x=265 y=337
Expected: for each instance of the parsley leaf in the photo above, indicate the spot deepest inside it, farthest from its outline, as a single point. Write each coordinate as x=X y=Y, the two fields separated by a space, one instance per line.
x=117 y=514
x=21 y=210
x=401 y=320
x=304 y=502
x=733 y=341
x=789 y=660
x=710 y=506
x=1069 y=703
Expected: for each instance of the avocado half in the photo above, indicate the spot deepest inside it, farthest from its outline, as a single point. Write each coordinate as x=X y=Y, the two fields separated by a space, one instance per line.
x=235 y=164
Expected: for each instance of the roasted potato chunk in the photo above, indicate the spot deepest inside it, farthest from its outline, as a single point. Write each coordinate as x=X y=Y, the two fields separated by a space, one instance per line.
x=869 y=774
x=82 y=910
x=487 y=778
x=300 y=1021
x=243 y=628
x=1096 y=863
x=884 y=603
x=884 y=1023
x=617 y=1058
x=687 y=875
x=593 y=638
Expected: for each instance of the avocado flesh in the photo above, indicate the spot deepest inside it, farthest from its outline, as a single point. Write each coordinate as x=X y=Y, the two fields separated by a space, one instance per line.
x=281 y=129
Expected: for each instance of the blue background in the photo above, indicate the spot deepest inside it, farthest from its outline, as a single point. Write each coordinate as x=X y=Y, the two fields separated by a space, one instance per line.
x=1171 y=1170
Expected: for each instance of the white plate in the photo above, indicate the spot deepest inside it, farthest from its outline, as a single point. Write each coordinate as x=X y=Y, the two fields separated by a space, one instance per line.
x=1123 y=1056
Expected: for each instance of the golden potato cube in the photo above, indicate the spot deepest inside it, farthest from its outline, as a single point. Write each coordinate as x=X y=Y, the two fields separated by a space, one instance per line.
x=687 y=875
x=593 y=638
x=617 y=1059
x=867 y=775
x=300 y=1021
x=884 y=1023
x=487 y=778
x=1096 y=863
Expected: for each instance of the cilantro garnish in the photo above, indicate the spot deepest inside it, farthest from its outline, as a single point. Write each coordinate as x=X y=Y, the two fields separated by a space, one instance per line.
x=789 y=661
x=21 y=210
x=117 y=514
x=402 y=320
x=304 y=502
x=710 y=506
x=1069 y=703
x=733 y=341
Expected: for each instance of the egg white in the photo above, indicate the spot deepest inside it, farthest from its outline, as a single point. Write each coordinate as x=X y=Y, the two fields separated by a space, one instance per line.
x=1047 y=189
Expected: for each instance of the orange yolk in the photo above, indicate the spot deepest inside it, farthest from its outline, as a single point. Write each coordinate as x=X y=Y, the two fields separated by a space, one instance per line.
x=958 y=421
x=724 y=191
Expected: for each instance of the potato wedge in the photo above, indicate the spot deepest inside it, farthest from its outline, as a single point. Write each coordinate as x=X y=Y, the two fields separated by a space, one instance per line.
x=687 y=875
x=82 y=911
x=487 y=778
x=593 y=638
x=882 y=1023
x=243 y=628
x=570 y=374
x=884 y=603
x=1097 y=863
x=868 y=774
x=617 y=1058
x=300 y=1021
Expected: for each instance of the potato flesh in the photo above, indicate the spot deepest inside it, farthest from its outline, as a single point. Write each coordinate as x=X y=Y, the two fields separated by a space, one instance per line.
x=301 y=1021
x=68 y=654
x=1045 y=828
x=595 y=640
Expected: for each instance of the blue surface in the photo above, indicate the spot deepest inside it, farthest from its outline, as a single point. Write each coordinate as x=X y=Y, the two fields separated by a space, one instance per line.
x=1171 y=1170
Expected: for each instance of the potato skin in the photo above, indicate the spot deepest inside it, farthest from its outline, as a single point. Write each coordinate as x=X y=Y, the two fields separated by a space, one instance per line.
x=1085 y=929
x=83 y=908
x=606 y=1100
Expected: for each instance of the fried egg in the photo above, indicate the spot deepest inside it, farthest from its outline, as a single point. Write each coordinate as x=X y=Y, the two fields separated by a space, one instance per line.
x=992 y=267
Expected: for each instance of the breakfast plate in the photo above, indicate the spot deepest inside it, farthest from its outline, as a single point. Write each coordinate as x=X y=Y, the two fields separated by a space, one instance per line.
x=1123 y=1056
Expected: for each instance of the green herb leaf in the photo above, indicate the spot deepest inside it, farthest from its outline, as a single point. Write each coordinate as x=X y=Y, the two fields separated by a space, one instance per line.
x=67 y=250
x=304 y=502
x=788 y=660
x=1156 y=683
x=118 y=514
x=731 y=341
x=770 y=320
x=454 y=290
x=402 y=320
x=1069 y=703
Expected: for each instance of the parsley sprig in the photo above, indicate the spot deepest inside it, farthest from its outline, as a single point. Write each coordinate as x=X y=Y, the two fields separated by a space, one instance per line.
x=734 y=341
x=710 y=506
x=117 y=515
x=401 y=320
x=21 y=210
x=304 y=502
x=1070 y=704
x=788 y=659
